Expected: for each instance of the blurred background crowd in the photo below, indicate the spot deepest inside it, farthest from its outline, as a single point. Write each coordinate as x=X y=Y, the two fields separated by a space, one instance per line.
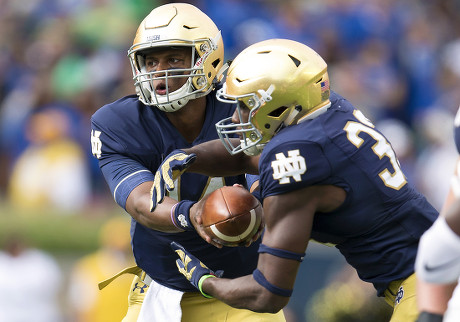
x=60 y=60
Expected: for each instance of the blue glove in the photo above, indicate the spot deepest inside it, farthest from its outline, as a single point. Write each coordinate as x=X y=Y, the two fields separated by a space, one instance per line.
x=170 y=169
x=192 y=268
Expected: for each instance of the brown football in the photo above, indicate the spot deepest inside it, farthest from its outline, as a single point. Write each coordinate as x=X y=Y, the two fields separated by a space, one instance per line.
x=231 y=215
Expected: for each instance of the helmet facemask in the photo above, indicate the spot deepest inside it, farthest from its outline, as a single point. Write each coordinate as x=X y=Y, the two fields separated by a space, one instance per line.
x=250 y=136
x=195 y=86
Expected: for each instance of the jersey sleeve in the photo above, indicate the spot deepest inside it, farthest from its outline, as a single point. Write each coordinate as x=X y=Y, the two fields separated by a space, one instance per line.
x=291 y=166
x=121 y=171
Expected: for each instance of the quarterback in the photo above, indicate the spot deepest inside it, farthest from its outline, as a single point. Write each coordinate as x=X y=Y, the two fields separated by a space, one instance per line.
x=177 y=62
x=326 y=174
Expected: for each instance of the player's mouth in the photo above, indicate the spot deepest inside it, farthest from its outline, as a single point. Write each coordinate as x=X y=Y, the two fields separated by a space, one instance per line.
x=160 y=89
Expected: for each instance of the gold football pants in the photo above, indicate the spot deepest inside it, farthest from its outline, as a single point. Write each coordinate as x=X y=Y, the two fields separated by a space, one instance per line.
x=135 y=298
x=197 y=308
x=401 y=296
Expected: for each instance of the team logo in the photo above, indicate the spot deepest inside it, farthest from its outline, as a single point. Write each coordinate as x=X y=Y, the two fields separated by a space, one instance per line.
x=153 y=38
x=286 y=167
x=141 y=288
x=188 y=273
x=96 y=144
x=399 y=295
x=183 y=221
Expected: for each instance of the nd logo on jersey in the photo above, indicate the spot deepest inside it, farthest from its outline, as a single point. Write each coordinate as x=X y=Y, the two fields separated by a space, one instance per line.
x=285 y=167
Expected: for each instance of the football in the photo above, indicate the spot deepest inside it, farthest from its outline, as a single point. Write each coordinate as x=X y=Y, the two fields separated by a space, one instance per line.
x=231 y=215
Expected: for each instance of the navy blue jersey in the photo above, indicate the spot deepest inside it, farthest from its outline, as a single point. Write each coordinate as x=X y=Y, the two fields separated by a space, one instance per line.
x=130 y=141
x=378 y=226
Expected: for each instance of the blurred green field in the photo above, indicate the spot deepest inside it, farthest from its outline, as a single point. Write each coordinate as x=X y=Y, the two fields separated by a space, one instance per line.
x=55 y=231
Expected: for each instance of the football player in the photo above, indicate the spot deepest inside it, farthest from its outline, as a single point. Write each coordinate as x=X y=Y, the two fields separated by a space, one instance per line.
x=438 y=258
x=177 y=62
x=326 y=174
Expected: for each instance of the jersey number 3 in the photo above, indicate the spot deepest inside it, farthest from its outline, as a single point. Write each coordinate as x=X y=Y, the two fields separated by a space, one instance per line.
x=381 y=148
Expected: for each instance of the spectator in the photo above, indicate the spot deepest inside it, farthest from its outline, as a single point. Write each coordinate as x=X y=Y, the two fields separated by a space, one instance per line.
x=30 y=283
x=87 y=303
x=52 y=171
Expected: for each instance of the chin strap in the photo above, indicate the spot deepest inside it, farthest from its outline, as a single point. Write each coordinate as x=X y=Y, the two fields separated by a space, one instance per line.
x=222 y=70
x=266 y=96
x=315 y=113
x=291 y=117
x=215 y=40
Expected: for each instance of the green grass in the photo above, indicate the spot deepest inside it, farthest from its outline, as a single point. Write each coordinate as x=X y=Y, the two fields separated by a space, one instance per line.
x=54 y=231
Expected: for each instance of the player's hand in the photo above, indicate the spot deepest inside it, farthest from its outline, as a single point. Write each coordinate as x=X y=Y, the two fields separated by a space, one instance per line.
x=262 y=223
x=258 y=234
x=195 y=217
x=192 y=268
x=170 y=169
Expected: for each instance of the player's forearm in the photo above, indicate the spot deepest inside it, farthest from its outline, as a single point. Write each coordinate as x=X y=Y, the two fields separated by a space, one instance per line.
x=214 y=160
x=433 y=298
x=138 y=206
x=160 y=218
x=244 y=293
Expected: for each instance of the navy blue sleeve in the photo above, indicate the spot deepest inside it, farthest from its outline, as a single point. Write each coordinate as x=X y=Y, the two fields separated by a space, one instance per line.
x=123 y=175
x=121 y=171
x=251 y=179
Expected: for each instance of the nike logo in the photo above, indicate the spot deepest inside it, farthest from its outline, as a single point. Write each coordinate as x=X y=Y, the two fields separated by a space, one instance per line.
x=440 y=266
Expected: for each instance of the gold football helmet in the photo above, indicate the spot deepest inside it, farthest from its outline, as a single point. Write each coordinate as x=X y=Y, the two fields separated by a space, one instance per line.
x=281 y=82
x=177 y=25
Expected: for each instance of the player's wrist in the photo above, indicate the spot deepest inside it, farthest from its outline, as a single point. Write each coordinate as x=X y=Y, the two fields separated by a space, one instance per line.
x=200 y=285
x=180 y=215
x=429 y=317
